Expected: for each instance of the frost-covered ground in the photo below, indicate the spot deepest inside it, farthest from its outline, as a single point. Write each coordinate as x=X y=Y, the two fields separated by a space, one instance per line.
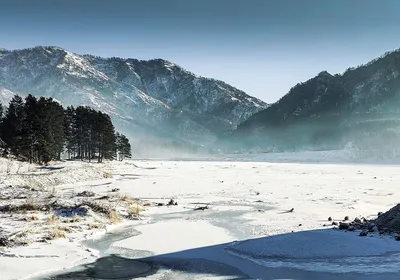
x=247 y=232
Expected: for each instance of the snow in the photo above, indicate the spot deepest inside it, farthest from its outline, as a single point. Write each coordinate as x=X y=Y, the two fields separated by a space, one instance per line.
x=78 y=66
x=247 y=225
x=5 y=96
x=201 y=233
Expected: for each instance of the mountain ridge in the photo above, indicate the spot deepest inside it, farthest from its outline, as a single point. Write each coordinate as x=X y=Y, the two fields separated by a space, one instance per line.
x=330 y=111
x=155 y=96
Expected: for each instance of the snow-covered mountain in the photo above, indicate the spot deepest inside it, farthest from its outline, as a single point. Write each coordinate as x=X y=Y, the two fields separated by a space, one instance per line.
x=154 y=98
x=330 y=111
x=5 y=96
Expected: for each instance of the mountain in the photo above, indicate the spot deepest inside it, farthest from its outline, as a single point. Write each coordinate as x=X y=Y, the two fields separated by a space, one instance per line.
x=150 y=101
x=331 y=111
x=5 y=96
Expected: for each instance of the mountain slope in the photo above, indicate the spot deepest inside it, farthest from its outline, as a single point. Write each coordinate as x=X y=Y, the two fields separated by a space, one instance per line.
x=155 y=98
x=5 y=96
x=332 y=110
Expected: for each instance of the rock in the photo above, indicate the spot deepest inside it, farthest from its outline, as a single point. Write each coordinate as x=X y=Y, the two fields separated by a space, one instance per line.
x=364 y=232
x=172 y=203
x=115 y=190
x=5 y=242
x=346 y=218
x=344 y=226
x=372 y=227
x=160 y=204
x=334 y=223
x=357 y=220
x=86 y=194
x=330 y=219
x=397 y=237
x=352 y=228
x=380 y=214
x=300 y=225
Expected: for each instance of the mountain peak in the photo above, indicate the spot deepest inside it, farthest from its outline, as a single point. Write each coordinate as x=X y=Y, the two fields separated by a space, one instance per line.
x=156 y=96
x=324 y=74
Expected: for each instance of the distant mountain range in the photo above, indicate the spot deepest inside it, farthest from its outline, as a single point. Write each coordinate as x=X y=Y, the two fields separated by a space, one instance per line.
x=158 y=103
x=154 y=101
x=360 y=106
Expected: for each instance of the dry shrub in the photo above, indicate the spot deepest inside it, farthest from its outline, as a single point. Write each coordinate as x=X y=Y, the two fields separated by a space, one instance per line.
x=23 y=234
x=114 y=217
x=134 y=209
x=74 y=219
x=53 y=219
x=57 y=233
x=107 y=175
x=28 y=206
x=126 y=197
x=95 y=226
x=31 y=218
x=66 y=229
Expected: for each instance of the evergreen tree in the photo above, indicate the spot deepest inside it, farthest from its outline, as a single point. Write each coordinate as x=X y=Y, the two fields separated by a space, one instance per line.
x=123 y=146
x=106 y=137
x=11 y=129
x=30 y=129
x=69 y=131
x=40 y=130
x=50 y=136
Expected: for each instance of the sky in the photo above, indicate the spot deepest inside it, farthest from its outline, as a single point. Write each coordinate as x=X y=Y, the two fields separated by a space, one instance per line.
x=263 y=47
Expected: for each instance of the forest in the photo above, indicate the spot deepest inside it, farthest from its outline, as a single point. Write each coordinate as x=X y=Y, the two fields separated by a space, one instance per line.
x=40 y=130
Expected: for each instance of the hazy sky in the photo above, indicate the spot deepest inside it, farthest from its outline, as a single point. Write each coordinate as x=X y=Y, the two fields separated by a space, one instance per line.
x=263 y=47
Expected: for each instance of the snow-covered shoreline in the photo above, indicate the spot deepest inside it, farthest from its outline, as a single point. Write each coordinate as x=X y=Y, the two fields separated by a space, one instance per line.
x=248 y=215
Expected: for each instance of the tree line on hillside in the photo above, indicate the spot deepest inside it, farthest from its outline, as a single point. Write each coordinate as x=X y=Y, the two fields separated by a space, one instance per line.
x=41 y=130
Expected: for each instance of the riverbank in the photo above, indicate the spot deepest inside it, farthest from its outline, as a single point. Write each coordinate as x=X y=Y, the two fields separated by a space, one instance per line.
x=254 y=220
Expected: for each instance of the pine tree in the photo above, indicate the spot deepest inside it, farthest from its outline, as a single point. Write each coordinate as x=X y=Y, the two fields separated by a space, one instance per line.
x=106 y=137
x=123 y=146
x=30 y=129
x=39 y=130
x=69 y=131
x=12 y=126
x=50 y=137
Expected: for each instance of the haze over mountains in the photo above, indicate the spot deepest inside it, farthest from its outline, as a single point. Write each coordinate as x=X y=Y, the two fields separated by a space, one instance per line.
x=148 y=100
x=159 y=101
x=331 y=111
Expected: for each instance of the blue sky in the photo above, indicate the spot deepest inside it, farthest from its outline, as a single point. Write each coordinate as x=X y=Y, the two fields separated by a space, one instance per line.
x=263 y=47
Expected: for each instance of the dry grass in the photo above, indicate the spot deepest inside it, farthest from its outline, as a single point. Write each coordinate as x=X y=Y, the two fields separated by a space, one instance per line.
x=134 y=209
x=107 y=175
x=66 y=229
x=95 y=226
x=53 y=219
x=74 y=219
x=28 y=206
x=23 y=234
x=31 y=218
x=126 y=197
x=114 y=217
x=57 y=233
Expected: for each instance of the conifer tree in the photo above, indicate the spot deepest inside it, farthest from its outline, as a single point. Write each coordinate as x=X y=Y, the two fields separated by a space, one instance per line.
x=39 y=130
x=123 y=146
x=12 y=126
